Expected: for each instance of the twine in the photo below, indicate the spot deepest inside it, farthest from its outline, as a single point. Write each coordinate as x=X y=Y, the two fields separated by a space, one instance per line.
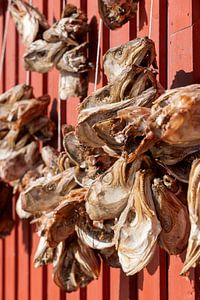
x=98 y=55
x=3 y=51
x=150 y=20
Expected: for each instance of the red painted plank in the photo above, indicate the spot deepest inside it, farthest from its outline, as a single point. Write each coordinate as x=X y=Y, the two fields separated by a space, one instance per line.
x=143 y=18
x=180 y=15
x=114 y=283
x=53 y=292
x=73 y=296
x=53 y=14
x=162 y=48
x=23 y=228
x=2 y=243
x=180 y=58
x=99 y=289
x=180 y=72
x=183 y=68
x=72 y=102
x=10 y=251
x=23 y=252
x=118 y=37
x=180 y=287
x=37 y=276
x=150 y=280
x=153 y=279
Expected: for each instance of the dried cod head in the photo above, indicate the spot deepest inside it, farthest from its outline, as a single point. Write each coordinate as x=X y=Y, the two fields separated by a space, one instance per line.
x=41 y=56
x=138 y=228
x=110 y=257
x=74 y=60
x=41 y=128
x=170 y=154
x=44 y=254
x=73 y=84
x=193 y=253
x=76 y=265
x=174 y=116
x=89 y=117
x=16 y=93
x=174 y=219
x=19 y=162
x=73 y=148
x=29 y=21
x=24 y=111
x=108 y=195
x=60 y=223
x=96 y=237
x=70 y=27
x=46 y=193
x=120 y=133
x=50 y=158
x=117 y=13
x=131 y=82
x=22 y=214
x=140 y=51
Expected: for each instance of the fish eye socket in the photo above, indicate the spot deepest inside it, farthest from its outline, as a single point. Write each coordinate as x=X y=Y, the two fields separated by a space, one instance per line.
x=50 y=187
x=118 y=53
x=121 y=10
x=41 y=53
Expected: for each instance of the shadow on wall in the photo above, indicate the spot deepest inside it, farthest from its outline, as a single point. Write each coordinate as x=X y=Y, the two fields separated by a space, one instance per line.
x=128 y=287
x=93 y=41
x=182 y=78
x=143 y=19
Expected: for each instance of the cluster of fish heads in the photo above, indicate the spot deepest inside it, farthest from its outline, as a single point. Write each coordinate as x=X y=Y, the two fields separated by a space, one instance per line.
x=61 y=45
x=116 y=191
x=128 y=178
x=23 y=125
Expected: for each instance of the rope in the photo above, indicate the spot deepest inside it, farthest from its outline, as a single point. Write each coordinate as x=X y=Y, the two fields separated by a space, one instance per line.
x=28 y=73
x=59 y=120
x=3 y=51
x=98 y=55
x=59 y=104
x=151 y=16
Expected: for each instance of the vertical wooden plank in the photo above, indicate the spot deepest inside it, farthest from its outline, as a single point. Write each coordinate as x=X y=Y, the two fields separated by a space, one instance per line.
x=114 y=283
x=149 y=280
x=23 y=227
x=2 y=266
x=153 y=279
x=133 y=294
x=99 y=289
x=71 y=118
x=163 y=38
x=10 y=251
x=117 y=278
x=9 y=257
x=53 y=14
x=196 y=79
x=180 y=49
x=37 y=276
x=143 y=18
x=119 y=36
x=23 y=252
x=72 y=102
x=180 y=72
x=196 y=40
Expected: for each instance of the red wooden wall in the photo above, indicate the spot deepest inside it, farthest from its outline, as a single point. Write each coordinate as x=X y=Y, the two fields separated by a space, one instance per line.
x=176 y=32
